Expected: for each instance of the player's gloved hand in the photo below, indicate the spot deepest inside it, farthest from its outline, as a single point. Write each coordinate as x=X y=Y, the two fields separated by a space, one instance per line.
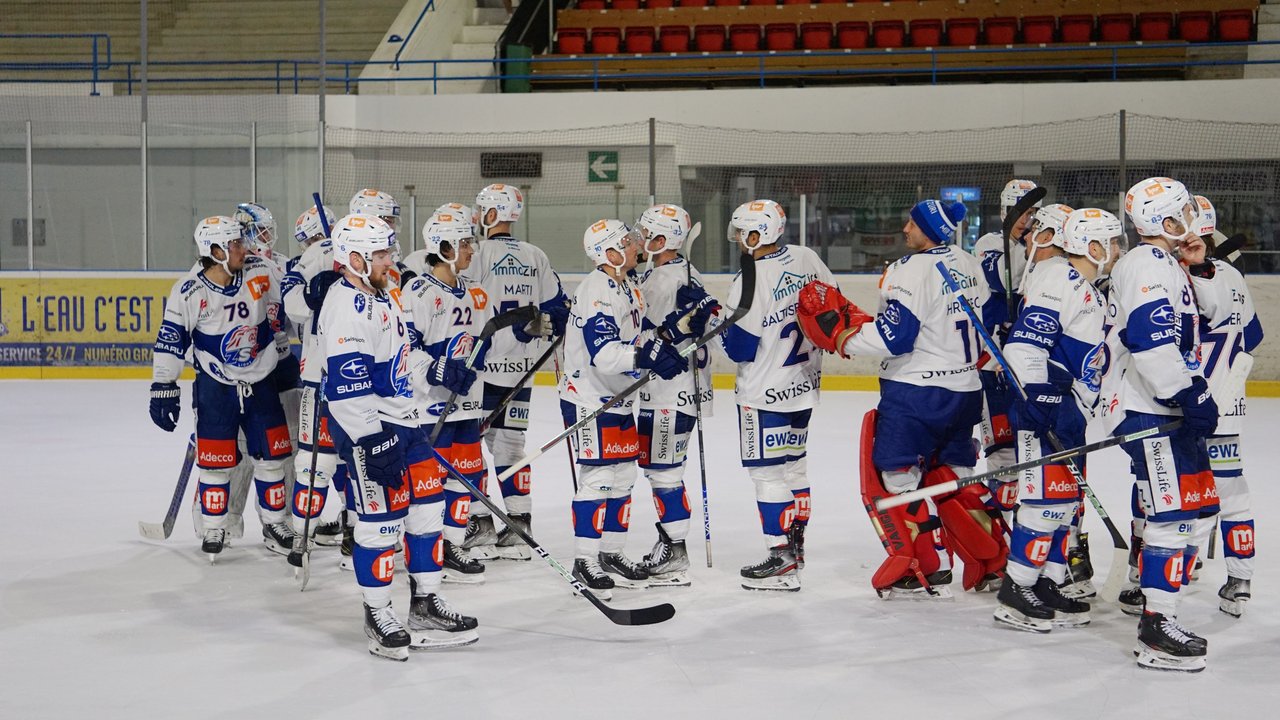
x=827 y=318
x=319 y=287
x=451 y=374
x=288 y=373
x=1039 y=411
x=166 y=402
x=383 y=458
x=1199 y=410
x=662 y=357
x=557 y=310
x=540 y=327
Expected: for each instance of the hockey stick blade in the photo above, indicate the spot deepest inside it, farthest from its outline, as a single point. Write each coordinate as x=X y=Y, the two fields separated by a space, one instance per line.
x=162 y=531
x=1116 y=576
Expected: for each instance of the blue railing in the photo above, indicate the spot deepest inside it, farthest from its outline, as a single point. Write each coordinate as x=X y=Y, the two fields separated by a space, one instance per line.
x=287 y=75
x=99 y=56
x=429 y=7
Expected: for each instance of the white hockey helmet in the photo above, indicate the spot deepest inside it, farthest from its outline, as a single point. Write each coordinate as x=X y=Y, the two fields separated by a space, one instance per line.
x=375 y=202
x=765 y=217
x=459 y=209
x=1048 y=218
x=259 y=227
x=447 y=229
x=1152 y=201
x=217 y=231
x=667 y=221
x=308 y=228
x=506 y=200
x=606 y=235
x=364 y=235
x=1013 y=192
x=1206 y=221
x=1087 y=226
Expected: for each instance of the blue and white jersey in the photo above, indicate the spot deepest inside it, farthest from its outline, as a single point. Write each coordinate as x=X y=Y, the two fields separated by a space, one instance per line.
x=227 y=329
x=1230 y=329
x=600 y=341
x=513 y=273
x=779 y=370
x=1058 y=336
x=446 y=321
x=317 y=257
x=1153 y=338
x=921 y=330
x=989 y=249
x=659 y=287
x=366 y=345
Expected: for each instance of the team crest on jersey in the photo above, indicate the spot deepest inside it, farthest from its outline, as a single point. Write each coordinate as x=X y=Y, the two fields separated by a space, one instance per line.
x=460 y=346
x=240 y=346
x=400 y=373
x=1094 y=367
x=360 y=303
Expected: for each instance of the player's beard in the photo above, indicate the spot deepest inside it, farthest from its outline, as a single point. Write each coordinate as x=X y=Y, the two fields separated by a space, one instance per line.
x=378 y=282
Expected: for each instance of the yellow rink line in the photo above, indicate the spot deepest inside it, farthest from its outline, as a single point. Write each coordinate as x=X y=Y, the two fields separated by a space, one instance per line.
x=722 y=381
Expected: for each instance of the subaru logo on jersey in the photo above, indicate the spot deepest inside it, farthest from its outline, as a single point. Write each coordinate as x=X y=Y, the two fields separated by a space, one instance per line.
x=436 y=409
x=186 y=287
x=1162 y=315
x=354 y=369
x=169 y=334
x=400 y=373
x=360 y=303
x=1042 y=323
x=240 y=346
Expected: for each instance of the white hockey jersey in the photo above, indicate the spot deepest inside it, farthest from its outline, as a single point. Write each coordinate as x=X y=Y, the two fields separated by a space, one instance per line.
x=227 y=328
x=513 y=273
x=1058 y=336
x=778 y=368
x=600 y=341
x=366 y=346
x=317 y=257
x=442 y=315
x=989 y=249
x=921 y=330
x=1153 y=338
x=659 y=287
x=1228 y=336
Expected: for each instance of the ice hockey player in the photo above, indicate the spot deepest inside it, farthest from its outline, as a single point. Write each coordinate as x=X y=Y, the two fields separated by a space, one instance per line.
x=778 y=379
x=997 y=436
x=1156 y=375
x=667 y=412
x=228 y=315
x=514 y=273
x=1231 y=333
x=607 y=347
x=366 y=339
x=370 y=201
x=1055 y=350
x=930 y=400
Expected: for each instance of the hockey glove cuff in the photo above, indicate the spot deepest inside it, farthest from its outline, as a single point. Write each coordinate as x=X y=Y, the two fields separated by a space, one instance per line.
x=166 y=404
x=1199 y=410
x=319 y=287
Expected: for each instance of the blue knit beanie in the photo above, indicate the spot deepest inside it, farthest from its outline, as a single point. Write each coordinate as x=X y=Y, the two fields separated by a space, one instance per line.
x=937 y=219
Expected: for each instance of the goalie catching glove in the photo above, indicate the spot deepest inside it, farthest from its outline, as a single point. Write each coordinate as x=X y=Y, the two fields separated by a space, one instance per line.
x=827 y=318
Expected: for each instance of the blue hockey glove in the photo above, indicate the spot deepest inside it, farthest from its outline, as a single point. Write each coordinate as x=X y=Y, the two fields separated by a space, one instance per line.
x=557 y=309
x=662 y=358
x=383 y=458
x=319 y=287
x=1199 y=410
x=166 y=401
x=288 y=373
x=451 y=374
x=1039 y=411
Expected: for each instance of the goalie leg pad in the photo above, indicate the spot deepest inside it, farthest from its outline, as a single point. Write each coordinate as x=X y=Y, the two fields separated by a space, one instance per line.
x=969 y=530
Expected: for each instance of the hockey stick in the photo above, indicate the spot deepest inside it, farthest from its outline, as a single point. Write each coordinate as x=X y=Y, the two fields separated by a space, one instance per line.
x=303 y=572
x=524 y=380
x=748 y=292
x=697 y=422
x=163 y=530
x=568 y=443
x=324 y=221
x=638 y=616
x=1020 y=208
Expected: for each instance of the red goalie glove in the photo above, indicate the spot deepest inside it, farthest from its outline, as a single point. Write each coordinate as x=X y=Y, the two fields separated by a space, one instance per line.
x=827 y=318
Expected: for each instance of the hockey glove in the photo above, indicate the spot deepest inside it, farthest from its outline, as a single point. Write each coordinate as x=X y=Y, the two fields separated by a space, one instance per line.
x=319 y=287
x=381 y=457
x=166 y=401
x=827 y=318
x=662 y=358
x=541 y=327
x=557 y=309
x=288 y=373
x=1039 y=411
x=451 y=374
x=1199 y=411
x=694 y=309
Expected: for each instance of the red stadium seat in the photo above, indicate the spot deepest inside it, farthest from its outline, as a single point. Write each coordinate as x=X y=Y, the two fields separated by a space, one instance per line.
x=693 y=3
x=962 y=31
x=727 y=3
x=889 y=33
x=1000 y=30
x=656 y=4
x=591 y=4
x=571 y=41
x=606 y=40
x=1076 y=28
x=926 y=33
x=673 y=38
x=762 y=2
x=780 y=36
x=815 y=35
x=799 y=2
x=1195 y=25
x=744 y=38
x=1235 y=25
x=852 y=34
x=625 y=5
x=1115 y=27
x=640 y=39
x=708 y=38
x=1155 y=26
x=1038 y=29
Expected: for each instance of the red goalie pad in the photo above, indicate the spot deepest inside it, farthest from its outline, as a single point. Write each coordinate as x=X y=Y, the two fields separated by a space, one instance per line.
x=826 y=317
x=898 y=528
x=970 y=532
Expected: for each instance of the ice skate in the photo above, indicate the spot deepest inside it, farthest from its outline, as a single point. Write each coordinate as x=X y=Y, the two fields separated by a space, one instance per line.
x=1020 y=607
x=668 y=562
x=348 y=544
x=387 y=637
x=1132 y=601
x=435 y=625
x=460 y=567
x=295 y=553
x=1163 y=644
x=1233 y=596
x=990 y=582
x=909 y=587
x=796 y=534
x=214 y=540
x=588 y=572
x=510 y=546
x=278 y=537
x=328 y=534
x=481 y=538
x=1068 y=612
x=779 y=571
x=625 y=572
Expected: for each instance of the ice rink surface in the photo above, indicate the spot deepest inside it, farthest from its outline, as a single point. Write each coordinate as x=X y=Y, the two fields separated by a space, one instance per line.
x=96 y=622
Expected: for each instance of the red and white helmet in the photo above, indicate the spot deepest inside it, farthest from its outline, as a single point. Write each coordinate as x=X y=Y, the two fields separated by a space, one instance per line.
x=308 y=228
x=217 y=231
x=364 y=235
x=1154 y=200
x=506 y=200
x=447 y=229
x=765 y=217
x=375 y=202
x=1206 y=221
x=1013 y=192
x=667 y=221
x=606 y=235
x=1088 y=226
